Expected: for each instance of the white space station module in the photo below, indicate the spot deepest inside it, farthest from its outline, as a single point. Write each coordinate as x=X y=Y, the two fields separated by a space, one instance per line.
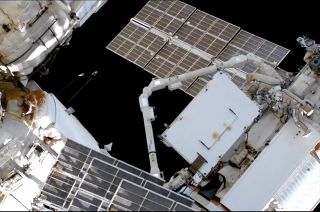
x=251 y=134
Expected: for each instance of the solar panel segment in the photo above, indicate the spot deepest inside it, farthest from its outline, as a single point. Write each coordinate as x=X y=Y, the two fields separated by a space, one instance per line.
x=167 y=38
x=84 y=179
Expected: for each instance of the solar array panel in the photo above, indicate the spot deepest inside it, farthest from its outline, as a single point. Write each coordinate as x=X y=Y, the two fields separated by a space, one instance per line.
x=167 y=16
x=245 y=42
x=206 y=32
x=197 y=85
x=173 y=60
x=84 y=179
x=137 y=44
x=184 y=39
x=130 y=196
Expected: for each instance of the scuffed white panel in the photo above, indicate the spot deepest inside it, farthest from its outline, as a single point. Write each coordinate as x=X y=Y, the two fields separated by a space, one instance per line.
x=20 y=13
x=259 y=133
x=28 y=26
x=276 y=163
x=212 y=122
x=69 y=125
x=84 y=8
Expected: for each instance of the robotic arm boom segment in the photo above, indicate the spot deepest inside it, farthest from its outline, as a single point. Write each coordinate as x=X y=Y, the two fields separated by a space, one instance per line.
x=173 y=83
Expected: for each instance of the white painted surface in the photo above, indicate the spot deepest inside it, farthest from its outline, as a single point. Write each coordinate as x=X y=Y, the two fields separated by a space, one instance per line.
x=261 y=131
x=22 y=198
x=54 y=111
x=271 y=169
x=223 y=110
x=302 y=191
x=34 y=36
x=69 y=125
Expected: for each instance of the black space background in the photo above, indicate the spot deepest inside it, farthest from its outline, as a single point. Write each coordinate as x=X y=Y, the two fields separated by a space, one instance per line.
x=108 y=106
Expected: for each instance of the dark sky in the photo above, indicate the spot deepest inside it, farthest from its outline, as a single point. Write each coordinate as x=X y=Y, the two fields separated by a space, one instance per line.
x=108 y=105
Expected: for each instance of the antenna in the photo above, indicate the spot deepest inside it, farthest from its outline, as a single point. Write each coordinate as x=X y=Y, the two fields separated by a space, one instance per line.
x=93 y=74
x=70 y=83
